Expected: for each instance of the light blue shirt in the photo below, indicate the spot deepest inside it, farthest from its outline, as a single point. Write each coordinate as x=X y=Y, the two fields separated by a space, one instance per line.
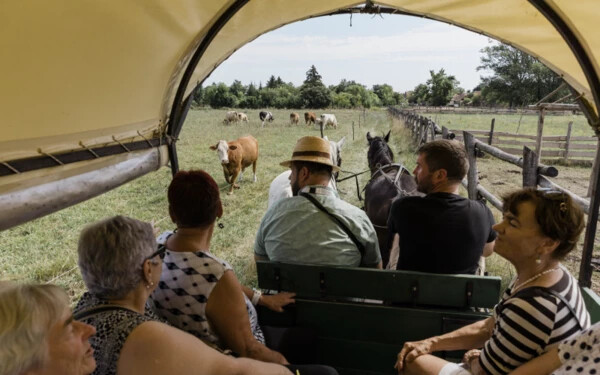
x=294 y=230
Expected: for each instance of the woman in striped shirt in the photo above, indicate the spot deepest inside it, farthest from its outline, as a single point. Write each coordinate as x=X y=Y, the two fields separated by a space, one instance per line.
x=541 y=307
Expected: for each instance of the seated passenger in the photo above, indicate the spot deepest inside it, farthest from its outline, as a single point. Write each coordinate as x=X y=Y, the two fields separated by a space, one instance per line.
x=577 y=355
x=542 y=305
x=441 y=232
x=298 y=230
x=38 y=334
x=121 y=267
x=199 y=292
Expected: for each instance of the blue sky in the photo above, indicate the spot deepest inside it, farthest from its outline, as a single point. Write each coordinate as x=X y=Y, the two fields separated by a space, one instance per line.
x=397 y=50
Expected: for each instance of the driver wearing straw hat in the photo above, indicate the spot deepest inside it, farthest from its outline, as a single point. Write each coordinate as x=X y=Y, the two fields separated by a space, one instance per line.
x=315 y=226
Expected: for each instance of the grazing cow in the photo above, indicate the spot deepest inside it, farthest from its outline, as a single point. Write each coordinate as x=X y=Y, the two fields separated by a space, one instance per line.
x=280 y=186
x=294 y=118
x=309 y=117
x=235 y=156
x=265 y=116
x=242 y=117
x=329 y=119
x=231 y=116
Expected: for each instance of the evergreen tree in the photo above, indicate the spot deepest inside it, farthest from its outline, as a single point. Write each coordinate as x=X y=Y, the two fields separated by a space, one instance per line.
x=313 y=92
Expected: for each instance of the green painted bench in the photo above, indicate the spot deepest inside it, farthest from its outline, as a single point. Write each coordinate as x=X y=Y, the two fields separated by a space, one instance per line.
x=364 y=316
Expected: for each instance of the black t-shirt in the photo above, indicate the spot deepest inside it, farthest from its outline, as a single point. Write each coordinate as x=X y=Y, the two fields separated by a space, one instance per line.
x=440 y=233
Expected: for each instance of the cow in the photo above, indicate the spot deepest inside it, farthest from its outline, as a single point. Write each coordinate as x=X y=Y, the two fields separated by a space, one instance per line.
x=265 y=116
x=294 y=118
x=231 y=116
x=242 y=117
x=329 y=119
x=235 y=156
x=309 y=117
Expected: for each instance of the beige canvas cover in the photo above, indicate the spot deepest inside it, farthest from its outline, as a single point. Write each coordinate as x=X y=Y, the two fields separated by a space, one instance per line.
x=82 y=73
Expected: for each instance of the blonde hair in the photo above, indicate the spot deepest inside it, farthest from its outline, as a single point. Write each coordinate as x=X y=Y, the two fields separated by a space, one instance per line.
x=28 y=312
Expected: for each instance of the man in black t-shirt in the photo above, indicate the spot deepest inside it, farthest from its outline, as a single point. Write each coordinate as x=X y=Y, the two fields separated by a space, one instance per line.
x=441 y=232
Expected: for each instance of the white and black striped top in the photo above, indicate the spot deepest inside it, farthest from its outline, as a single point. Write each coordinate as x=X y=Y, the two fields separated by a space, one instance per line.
x=532 y=321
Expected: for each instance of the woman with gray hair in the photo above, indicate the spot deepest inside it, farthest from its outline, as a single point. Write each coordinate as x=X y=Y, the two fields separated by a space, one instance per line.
x=38 y=334
x=121 y=267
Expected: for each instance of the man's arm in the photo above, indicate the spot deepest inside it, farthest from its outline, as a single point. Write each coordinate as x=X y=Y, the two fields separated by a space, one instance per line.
x=394 y=253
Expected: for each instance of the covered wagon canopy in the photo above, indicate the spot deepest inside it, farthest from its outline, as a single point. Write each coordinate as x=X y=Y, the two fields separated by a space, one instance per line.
x=93 y=93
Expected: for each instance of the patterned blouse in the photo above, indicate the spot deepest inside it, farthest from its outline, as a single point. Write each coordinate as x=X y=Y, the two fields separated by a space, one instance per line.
x=186 y=283
x=581 y=355
x=113 y=327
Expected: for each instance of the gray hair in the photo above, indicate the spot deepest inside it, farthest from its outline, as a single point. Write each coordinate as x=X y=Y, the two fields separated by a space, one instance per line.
x=111 y=254
x=28 y=313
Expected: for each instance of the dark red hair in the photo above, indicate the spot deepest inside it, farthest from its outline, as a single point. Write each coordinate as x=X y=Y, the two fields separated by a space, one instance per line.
x=194 y=199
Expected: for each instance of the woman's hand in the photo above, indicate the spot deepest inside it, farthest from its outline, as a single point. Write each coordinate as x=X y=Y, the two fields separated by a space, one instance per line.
x=412 y=350
x=471 y=359
x=276 y=302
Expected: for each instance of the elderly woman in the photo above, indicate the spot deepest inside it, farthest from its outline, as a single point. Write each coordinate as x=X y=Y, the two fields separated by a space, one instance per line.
x=542 y=305
x=199 y=292
x=38 y=334
x=121 y=267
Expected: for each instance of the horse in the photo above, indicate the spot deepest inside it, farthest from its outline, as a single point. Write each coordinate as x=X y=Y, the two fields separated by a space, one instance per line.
x=388 y=182
x=280 y=186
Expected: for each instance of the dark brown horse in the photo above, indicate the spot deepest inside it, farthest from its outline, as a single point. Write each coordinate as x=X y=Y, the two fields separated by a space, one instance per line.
x=388 y=182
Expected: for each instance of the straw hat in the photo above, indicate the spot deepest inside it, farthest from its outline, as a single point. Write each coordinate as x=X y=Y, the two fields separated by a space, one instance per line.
x=312 y=149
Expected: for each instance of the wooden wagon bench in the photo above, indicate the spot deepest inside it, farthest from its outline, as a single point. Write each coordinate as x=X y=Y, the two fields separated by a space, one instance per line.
x=363 y=316
x=359 y=334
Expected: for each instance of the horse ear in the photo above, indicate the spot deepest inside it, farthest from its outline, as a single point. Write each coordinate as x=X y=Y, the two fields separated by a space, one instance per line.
x=341 y=142
x=369 y=138
x=387 y=137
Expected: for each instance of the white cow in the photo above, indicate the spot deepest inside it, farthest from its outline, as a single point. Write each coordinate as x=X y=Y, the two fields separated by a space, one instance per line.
x=231 y=116
x=329 y=119
x=242 y=117
x=280 y=186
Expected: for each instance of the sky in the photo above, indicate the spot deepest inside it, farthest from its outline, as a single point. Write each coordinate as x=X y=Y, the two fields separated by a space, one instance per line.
x=396 y=49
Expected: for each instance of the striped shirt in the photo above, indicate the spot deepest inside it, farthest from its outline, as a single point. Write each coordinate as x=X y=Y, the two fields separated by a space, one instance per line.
x=530 y=322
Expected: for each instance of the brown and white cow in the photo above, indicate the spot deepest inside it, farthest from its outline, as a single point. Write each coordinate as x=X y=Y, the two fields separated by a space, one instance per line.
x=235 y=156
x=309 y=117
x=294 y=118
x=242 y=117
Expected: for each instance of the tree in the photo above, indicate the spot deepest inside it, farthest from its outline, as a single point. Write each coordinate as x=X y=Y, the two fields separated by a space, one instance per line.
x=441 y=87
x=313 y=92
x=420 y=94
x=385 y=93
x=218 y=96
x=198 y=95
x=237 y=89
x=516 y=78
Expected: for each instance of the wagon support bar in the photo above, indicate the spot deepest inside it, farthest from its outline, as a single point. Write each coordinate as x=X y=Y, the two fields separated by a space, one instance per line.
x=50 y=197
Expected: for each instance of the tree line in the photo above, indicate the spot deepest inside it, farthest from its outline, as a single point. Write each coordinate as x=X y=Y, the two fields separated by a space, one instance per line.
x=311 y=94
x=512 y=79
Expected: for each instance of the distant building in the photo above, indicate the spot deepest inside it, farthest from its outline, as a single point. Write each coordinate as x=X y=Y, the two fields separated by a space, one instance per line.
x=456 y=100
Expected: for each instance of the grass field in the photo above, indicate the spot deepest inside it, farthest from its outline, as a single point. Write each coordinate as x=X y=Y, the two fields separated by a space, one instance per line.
x=44 y=250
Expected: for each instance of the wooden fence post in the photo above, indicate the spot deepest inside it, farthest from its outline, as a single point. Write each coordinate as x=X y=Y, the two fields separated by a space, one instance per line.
x=540 y=132
x=433 y=131
x=585 y=268
x=352 y=130
x=472 y=179
x=321 y=126
x=568 y=142
x=492 y=131
x=530 y=164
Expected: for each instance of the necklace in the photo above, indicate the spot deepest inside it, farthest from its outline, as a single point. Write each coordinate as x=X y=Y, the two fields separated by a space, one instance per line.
x=516 y=287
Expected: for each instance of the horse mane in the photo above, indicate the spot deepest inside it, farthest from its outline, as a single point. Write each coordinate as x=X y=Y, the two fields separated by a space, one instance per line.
x=379 y=152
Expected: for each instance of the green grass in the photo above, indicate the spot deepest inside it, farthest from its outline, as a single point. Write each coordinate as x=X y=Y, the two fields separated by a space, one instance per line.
x=44 y=250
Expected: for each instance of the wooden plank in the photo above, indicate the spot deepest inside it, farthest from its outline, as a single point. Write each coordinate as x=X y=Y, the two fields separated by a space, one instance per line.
x=547 y=183
x=585 y=268
x=472 y=177
x=491 y=136
x=540 y=133
x=393 y=286
x=546 y=170
x=560 y=153
x=530 y=164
